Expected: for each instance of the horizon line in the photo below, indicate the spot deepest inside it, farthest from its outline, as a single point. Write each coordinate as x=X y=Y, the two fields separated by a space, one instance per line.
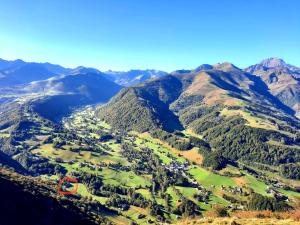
x=112 y=70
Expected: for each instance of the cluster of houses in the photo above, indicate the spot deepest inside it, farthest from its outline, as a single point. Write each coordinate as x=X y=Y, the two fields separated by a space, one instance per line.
x=118 y=166
x=234 y=190
x=236 y=207
x=91 y=166
x=176 y=166
x=279 y=196
x=275 y=183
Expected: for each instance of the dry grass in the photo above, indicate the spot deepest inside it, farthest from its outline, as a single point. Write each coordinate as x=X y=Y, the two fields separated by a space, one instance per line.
x=240 y=181
x=293 y=214
x=249 y=218
x=213 y=95
x=252 y=121
x=190 y=132
x=191 y=155
x=239 y=221
x=200 y=84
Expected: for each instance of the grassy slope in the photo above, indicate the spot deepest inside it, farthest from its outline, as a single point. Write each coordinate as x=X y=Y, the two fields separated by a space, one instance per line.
x=208 y=178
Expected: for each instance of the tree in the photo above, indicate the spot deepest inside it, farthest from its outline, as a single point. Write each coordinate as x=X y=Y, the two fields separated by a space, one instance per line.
x=260 y=202
x=214 y=160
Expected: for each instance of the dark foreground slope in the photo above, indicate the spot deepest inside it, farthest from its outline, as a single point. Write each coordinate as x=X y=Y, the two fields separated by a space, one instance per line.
x=29 y=203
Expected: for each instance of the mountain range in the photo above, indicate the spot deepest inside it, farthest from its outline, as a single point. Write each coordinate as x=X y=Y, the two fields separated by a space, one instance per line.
x=149 y=146
x=281 y=79
x=272 y=84
x=19 y=72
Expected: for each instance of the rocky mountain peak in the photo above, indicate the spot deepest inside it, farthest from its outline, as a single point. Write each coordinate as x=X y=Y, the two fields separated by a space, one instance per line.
x=273 y=62
x=225 y=66
x=203 y=67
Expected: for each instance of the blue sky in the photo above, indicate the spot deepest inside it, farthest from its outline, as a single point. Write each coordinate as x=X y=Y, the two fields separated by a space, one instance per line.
x=158 y=34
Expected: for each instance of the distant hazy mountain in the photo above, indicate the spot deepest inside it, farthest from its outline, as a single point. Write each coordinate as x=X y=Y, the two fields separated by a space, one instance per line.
x=66 y=92
x=133 y=77
x=5 y=64
x=282 y=79
x=12 y=65
x=84 y=70
x=57 y=96
x=20 y=72
x=122 y=78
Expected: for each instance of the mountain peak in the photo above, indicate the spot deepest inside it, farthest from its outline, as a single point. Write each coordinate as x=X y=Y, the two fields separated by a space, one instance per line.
x=225 y=66
x=84 y=70
x=203 y=67
x=273 y=62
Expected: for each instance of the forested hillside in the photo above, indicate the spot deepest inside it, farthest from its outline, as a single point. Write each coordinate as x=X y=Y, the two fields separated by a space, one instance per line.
x=231 y=109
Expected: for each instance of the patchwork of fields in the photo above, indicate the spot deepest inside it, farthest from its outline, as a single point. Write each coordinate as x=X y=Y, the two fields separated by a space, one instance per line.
x=107 y=161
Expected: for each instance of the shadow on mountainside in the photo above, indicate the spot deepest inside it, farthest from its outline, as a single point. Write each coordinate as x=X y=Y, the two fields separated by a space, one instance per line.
x=20 y=207
x=263 y=89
